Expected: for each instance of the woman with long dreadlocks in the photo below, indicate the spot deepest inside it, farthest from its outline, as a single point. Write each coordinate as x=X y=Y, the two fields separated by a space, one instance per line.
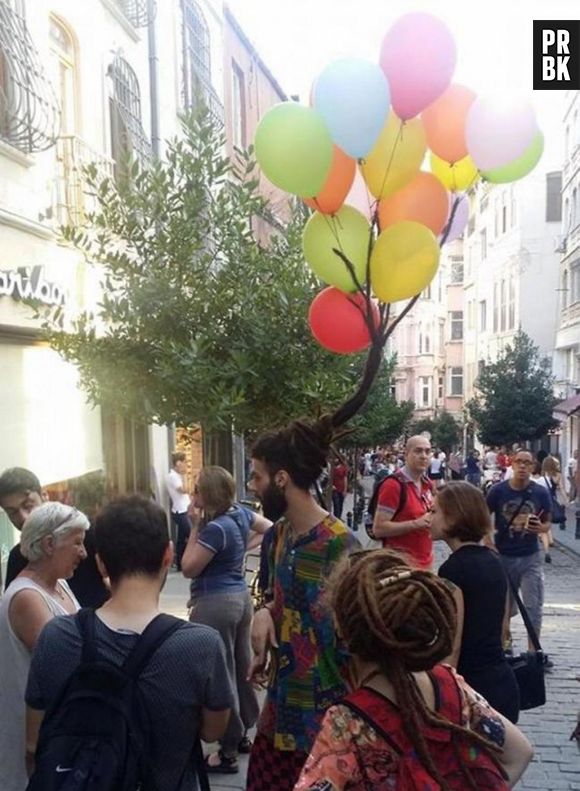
x=411 y=723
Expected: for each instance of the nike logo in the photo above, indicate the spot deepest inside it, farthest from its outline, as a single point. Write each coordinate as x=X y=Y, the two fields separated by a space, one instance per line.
x=60 y=769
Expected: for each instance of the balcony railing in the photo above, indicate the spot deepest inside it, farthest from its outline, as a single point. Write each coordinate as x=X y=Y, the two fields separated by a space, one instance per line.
x=72 y=200
x=139 y=12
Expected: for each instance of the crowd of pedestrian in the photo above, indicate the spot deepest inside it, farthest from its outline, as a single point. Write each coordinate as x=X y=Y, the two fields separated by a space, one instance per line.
x=376 y=669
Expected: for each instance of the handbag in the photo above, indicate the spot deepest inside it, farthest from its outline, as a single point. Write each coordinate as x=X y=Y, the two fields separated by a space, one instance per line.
x=558 y=510
x=528 y=667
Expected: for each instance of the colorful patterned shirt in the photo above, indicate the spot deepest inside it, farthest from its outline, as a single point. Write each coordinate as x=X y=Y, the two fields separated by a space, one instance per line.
x=306 y=675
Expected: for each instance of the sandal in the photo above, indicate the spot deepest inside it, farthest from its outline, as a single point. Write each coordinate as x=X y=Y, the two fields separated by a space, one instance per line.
x=245 y=745
x=227 y=765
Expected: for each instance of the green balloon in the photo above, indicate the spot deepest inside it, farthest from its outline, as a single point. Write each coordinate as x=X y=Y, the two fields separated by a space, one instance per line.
x=521 y=166
x=294 y=148
x=348 y=231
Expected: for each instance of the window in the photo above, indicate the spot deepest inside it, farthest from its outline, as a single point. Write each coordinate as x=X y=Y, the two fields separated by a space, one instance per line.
x=238 y=106
x=480 y=367
x=29 y=113
x=483 y=239
x=471 y=225
x=425 y=386
x=502 y=314
x=441 y=337
x=496 y=219
x=427 y=293
x=128 y=137
x=503 y=214
x=471 y=315
x=483 y=316
x=554 y=197
x=420 y=342
x=439 y=287
x=484 y=203
x=565 y=289
x=512 y=304
x=457 y=269
x=440 y=388
x=457 y=325
x=567 y=223
x=573 y=208
x=427 y=342
x=495 y=308
x=513 y=210
x=456 y=384
x=197 y=84
x=63 y=57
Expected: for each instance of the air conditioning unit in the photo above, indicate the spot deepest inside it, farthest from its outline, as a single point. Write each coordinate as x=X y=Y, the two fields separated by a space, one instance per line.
x=560 y=244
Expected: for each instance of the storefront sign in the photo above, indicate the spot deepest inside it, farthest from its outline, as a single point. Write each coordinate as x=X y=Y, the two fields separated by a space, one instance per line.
x=27 y=282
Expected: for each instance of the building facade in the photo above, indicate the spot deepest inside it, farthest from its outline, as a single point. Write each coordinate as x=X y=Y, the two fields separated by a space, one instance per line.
x=567 y=346
x=88 y=83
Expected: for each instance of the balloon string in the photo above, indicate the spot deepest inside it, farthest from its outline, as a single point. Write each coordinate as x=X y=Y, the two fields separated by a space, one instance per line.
x=398 y=139
x=330 y=221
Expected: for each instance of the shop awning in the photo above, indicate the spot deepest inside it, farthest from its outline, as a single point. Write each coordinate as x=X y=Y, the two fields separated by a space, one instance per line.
x=566 y=408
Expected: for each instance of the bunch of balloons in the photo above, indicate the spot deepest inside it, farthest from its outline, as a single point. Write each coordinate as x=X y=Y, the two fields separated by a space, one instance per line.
x=356 y=154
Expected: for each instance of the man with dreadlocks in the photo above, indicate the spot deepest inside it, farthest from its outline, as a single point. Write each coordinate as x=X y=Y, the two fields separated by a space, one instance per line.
x=411 y=723
x=306 y=663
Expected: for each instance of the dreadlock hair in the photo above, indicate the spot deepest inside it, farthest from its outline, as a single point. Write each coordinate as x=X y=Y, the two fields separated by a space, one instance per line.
x=301 y=448
x=404 y=620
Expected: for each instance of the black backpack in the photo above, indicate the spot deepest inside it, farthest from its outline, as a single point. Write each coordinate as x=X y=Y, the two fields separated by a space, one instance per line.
x=96 y=735
x=380 y=478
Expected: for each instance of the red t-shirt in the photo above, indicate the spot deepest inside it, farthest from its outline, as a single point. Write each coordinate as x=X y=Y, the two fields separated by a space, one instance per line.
x=339 y=477
x=418 y=544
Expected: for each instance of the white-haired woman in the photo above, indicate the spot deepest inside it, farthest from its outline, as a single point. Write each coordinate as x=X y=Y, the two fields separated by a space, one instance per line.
x=52 y=540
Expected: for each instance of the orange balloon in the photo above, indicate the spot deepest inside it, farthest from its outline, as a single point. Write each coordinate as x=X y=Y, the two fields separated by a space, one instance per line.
x=444 y=123
x=337 y=186
x=423 y=200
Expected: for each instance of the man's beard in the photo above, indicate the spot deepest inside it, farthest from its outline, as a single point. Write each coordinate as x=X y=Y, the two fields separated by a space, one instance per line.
x=274 y=502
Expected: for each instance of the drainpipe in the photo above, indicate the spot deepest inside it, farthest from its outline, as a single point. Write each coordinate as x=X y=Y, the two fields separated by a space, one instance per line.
x=153 y=78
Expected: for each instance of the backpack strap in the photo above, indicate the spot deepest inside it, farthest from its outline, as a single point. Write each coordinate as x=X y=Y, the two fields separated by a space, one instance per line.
x=155 y=634
x=85 y=619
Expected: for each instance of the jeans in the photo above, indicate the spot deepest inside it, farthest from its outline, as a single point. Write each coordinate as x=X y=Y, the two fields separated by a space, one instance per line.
x=231 y=615
x=183 y=525
x=527 y=575
x=337 y=503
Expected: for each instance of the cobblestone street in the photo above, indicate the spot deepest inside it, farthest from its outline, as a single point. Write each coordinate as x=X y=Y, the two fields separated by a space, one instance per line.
x=556 y=765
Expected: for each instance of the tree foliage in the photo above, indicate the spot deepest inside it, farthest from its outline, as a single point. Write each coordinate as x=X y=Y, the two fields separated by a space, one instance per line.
x=198 y=322
x=381 y=420
x=516 y=397
x=446 y=432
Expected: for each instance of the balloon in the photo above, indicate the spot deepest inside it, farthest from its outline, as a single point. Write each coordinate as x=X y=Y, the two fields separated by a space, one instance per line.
x=359 y=196
x=459 y=220
x=337 y=324
x=498 y=131
x=348 y=231
x=404 y=261
x=396 y=158
x=337 y=185
x=444 y=123
x=423 y=200
x=457 y=177
x=418 y=56
x=521 y=166
x=352 y=95
x=294 y=148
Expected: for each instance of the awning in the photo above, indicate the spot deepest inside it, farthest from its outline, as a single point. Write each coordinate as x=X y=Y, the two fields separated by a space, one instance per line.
x=566 y=408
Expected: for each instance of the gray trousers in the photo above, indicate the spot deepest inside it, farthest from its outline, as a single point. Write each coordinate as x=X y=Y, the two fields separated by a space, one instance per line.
x=231 y=615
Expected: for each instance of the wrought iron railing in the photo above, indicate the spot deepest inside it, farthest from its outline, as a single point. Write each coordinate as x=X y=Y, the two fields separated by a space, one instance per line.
x=73 y=200
x=140 y=13
x=29 y=112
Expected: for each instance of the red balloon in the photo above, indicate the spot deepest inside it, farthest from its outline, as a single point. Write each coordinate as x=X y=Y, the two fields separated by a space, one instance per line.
x=337 y=324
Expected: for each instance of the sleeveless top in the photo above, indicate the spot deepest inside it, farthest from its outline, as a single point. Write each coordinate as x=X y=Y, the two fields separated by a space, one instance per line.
x=14 y=666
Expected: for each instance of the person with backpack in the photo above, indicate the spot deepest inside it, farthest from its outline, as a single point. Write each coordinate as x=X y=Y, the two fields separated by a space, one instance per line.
x=401 y=504
x=551 y=479
x=409 y=722
x=118 y=698
x=214 y=559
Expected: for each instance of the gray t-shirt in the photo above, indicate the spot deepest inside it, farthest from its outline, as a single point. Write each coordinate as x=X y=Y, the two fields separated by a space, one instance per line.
x=187 y=672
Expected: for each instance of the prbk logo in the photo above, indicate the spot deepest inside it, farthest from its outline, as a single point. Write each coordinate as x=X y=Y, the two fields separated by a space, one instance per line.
x=556 y=55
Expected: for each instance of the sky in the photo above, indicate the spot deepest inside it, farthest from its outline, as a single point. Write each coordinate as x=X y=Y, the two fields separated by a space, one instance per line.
x=298 y=38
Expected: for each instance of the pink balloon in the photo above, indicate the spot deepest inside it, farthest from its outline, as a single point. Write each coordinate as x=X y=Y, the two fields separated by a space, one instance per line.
x=418 y=56
x=497 y=131
x=359 y=197
x=460 y=217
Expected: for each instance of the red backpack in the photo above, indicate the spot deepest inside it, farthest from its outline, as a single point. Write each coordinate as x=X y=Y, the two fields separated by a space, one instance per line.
x=449 y=751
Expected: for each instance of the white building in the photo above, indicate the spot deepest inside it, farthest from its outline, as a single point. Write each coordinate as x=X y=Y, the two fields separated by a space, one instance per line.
x=567 y=351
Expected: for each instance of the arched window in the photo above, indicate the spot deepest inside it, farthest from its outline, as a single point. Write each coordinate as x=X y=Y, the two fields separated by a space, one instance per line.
x=127 y=133
x=62 y=50
x=197 y=82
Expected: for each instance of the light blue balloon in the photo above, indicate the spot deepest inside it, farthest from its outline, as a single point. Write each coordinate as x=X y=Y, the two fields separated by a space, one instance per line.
x=353 y=97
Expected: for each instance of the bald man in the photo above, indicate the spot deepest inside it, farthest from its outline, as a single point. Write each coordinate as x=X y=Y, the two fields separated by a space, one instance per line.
x=402 y=519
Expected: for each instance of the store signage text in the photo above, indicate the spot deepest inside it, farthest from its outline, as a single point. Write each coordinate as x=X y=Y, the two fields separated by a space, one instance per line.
x=27 y=282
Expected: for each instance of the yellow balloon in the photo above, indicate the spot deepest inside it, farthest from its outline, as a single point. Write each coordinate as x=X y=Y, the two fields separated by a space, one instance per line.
x=457 y=177
x=396 y=158
x=404 y=261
